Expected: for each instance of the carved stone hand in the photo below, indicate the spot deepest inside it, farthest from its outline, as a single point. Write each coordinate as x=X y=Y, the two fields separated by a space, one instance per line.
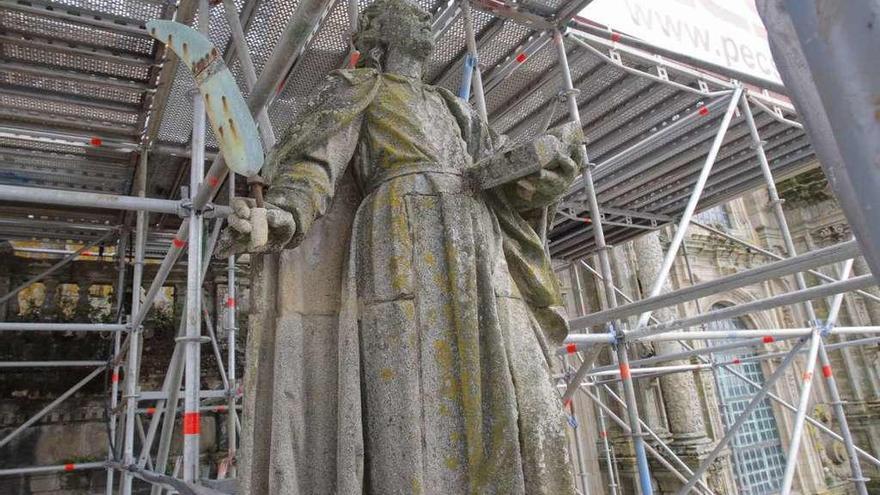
x=255 y=230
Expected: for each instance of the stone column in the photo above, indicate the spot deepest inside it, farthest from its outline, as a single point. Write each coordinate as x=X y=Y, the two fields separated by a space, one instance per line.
x=50 y=303
x=647 y=396
x=13 y=308
x=860 y=267
x=83 y=301
x=6 y=256
x=684 y=410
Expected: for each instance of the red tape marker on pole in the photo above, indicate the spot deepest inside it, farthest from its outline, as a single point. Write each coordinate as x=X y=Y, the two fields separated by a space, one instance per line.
x=192 y=423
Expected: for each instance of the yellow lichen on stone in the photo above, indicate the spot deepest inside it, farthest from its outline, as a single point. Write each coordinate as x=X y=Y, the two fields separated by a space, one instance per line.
x=430 y=260
x=386 y=374
x=454 y=437
x=410 y=311
x=444 y=358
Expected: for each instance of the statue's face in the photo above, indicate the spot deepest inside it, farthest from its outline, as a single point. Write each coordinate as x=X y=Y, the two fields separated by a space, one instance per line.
x=397 y=25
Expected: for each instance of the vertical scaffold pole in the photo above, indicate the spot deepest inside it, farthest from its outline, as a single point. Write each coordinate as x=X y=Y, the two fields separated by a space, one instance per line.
x=609 y=464
x=798 y=429
x=230 y=347
x=608 y=281
x=192 y=382
x=135 y=335
x=834 y=392
x=477 y=81
x=830 y=381
x=114 y=371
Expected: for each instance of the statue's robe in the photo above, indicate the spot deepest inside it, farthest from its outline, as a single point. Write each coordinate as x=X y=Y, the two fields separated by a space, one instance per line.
x=403 y=347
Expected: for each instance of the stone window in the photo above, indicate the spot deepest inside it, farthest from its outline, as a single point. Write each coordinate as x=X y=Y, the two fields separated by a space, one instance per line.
x=717 y=216
x=759 y=459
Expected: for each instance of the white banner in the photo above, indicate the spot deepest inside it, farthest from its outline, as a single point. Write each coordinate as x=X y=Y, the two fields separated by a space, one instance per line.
x=725 y=32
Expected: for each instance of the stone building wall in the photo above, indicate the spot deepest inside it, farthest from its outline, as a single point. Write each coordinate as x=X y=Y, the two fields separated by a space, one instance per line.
x=815 y=221
x=76 y=431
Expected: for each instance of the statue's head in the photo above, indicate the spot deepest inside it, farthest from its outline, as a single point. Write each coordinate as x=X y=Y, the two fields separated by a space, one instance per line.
x=394 y=25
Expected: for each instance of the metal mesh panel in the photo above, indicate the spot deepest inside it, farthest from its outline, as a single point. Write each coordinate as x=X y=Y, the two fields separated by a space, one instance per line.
x=637 y=119
x=325 y=53
x=266 y=26
x=59 y=180
x=71 y=87
x=63 y=164
x=685 y=158
x=748 y=176
x=544 y=5
x=536 y=66
x=450 y=47
x=618 y=101
x=670 y=136
x=500 y=46
x=73 y=61
x=58 y=29
x=109 y=117
x=534 y=105
x=177 y=120
x=735 y=160
x=41 y=146
x=131 y=9
x=589 y=83
x=55 y=180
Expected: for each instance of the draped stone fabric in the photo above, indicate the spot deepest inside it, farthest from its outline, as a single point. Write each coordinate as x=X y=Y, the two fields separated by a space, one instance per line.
x=403 y=346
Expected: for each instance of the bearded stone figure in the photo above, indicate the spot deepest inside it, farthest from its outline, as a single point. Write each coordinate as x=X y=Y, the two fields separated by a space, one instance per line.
x=403 y=317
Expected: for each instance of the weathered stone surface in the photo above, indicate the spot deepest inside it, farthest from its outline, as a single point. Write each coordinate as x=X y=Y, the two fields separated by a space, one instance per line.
x=404 y=348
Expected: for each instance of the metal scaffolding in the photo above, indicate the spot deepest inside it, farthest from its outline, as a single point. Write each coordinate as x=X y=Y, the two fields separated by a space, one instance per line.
x=107 y=124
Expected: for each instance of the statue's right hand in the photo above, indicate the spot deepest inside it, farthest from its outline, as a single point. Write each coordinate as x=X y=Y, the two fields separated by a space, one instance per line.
x=255 y=230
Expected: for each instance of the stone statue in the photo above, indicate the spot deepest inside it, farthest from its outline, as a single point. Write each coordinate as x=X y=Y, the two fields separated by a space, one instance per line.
x=403 y=347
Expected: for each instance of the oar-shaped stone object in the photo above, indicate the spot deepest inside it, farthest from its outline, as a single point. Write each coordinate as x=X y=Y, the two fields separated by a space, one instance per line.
x=227 y=111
